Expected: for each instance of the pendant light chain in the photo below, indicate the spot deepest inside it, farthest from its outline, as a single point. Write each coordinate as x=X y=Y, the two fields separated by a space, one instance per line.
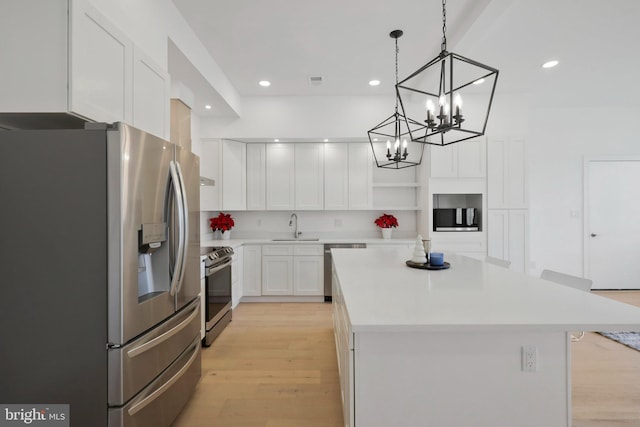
x=444 y=26
x=397 y=50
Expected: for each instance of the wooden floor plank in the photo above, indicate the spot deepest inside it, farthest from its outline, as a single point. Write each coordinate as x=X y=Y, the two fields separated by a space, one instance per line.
x=275 y=366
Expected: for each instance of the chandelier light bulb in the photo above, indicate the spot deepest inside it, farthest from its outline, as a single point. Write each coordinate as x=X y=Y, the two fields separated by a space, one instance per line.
x=442 y=100
x=457 y=102
x=431 y=106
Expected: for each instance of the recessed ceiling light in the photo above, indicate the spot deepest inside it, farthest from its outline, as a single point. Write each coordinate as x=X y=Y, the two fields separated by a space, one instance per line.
x=326 y=140
x=478 y=82
x=264 y=83
x=208 y=107
x=550 y=64
x=374 y=82
x=375 y=139
x=276 y=140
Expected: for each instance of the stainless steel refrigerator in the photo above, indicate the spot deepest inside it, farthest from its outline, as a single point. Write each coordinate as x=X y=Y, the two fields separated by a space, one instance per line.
x=99 y=255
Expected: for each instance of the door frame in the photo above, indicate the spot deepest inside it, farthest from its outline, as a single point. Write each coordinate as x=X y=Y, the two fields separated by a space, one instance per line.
x=587 y=160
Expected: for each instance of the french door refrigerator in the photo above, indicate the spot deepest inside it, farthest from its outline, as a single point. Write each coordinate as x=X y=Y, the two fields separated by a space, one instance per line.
x=99 y=248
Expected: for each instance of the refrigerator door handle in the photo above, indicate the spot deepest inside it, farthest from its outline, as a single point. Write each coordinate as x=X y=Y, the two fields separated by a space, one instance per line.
x=179 y=262
x=185 y=226
x=165 y=336
x=137 y=407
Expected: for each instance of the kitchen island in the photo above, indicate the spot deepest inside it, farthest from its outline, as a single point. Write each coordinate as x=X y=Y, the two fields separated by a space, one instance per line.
x=447 y=348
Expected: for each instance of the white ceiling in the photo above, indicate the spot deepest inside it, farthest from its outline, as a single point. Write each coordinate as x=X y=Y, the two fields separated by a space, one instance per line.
x=347 y=43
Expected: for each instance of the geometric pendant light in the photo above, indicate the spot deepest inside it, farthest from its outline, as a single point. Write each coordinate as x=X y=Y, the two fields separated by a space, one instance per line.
x=391 y=139
x=435 y=92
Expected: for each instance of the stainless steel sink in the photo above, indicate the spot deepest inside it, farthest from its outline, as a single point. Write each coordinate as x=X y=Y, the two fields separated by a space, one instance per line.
x=299 y=239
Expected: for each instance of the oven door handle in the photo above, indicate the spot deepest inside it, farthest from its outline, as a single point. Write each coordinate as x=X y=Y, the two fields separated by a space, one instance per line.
x=215 y=269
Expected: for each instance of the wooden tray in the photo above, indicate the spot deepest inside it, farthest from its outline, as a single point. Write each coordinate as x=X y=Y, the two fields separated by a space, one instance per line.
x=427 y=266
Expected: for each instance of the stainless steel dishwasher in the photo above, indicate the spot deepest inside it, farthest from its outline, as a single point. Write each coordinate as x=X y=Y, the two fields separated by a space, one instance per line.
x=327 y=263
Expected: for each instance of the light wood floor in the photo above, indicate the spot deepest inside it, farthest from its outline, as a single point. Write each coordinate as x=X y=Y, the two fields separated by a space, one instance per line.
x=606 y=377
x=275 y=366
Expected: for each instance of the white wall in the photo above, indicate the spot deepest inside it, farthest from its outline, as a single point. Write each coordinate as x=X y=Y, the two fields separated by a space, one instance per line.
x=560 y=138
x=333 y=117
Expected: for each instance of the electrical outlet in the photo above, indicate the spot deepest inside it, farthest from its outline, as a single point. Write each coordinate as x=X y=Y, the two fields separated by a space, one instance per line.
x=259 y=222
x=529 y=358
x=337 y=222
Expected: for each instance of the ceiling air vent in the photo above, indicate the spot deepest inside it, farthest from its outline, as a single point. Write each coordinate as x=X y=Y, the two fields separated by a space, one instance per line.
x=315 y=80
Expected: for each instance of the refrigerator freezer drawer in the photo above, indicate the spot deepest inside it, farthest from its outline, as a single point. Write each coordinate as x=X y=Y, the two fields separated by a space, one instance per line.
x=160 y=403
x=135 y=365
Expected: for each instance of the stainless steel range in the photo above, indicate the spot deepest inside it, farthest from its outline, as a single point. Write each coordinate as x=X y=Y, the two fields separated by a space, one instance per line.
x=217 y=295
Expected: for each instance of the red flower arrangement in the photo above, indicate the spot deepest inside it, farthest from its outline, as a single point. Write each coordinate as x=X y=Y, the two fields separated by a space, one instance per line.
x=386 y=221
x=222 y=222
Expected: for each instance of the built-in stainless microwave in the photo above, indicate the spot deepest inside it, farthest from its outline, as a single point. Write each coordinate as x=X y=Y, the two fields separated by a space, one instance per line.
x=456 y=219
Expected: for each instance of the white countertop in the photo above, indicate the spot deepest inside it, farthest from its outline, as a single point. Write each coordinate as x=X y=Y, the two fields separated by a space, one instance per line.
x=268 y=241
x=382 y=294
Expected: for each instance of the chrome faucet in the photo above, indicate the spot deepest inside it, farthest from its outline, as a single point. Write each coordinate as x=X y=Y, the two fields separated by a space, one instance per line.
x=296 y=233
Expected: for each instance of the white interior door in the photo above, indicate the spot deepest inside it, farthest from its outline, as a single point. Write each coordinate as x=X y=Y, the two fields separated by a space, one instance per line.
x=613 y=226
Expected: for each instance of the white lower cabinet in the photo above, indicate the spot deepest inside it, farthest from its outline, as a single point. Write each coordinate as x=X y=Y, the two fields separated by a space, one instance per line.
x=508 y=237
x=277 y=275
x=344 y=352
x=237 y=273
x=252 y=269
x=292 y=270
x=308 y=270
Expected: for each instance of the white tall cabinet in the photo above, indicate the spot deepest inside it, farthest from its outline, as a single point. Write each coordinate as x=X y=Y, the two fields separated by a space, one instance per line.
x=508 y=215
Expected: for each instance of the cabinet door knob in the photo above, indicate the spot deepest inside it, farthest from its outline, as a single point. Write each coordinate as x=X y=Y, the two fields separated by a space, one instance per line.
x=593 y=234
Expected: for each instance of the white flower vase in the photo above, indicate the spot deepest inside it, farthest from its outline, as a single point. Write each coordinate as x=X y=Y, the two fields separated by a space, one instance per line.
x=225 y=235
x=386 y=233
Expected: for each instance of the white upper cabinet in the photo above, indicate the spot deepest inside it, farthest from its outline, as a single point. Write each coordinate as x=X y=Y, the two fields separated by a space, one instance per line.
x=336 y=176
x=309 y=176
x=507 y=174
x=63 y=56
x=360 y=176
x=280 y=177
x=234 y=165
x=347 y=176
x=466 y=159
x=151 y=103
x=444 y=161
x=210 y=164
x=256 y=188
x=100 y=62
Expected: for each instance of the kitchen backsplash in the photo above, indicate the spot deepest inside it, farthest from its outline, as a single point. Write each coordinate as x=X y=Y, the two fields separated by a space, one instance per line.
x=343 y=224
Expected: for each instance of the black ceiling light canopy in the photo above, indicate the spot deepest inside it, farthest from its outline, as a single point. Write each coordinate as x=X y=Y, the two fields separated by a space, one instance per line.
x=391 y=140
x=436 y=90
